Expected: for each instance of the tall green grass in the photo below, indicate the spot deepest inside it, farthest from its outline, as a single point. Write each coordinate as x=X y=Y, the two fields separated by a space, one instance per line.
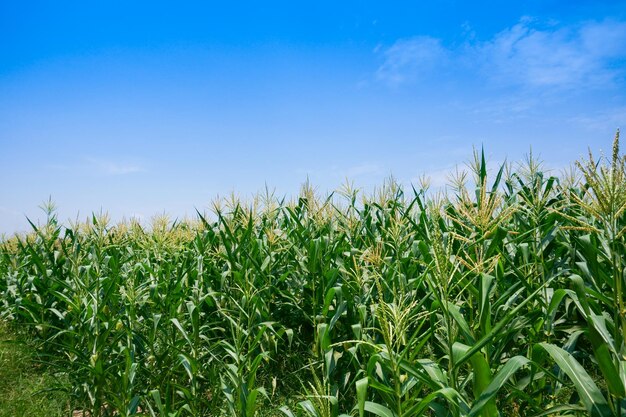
x=24 y=382
x=504 y=296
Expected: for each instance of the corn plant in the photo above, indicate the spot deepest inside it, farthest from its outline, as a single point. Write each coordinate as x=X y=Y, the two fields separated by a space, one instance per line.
x=503 y=295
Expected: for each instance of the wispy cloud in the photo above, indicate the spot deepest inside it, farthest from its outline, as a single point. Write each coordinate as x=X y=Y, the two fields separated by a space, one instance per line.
x=108 y=167
x=10 y=212
x=58 y=167
x=337 y=174
x=571 y=56
x=611 y=118
x=505 y=108
x=361 y=170
x=530 y=54
x=408 y=59
x=98 y=166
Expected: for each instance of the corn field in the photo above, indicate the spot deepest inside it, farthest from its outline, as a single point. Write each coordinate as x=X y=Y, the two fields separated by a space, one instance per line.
x=503 y=296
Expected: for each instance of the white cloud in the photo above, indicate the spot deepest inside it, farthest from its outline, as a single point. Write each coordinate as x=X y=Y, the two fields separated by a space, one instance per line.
x=98 y=166
x=506 y=108
x=412 y=58
x=58 y=167
x=362 y=170
x=107 y=167
x=10 y=212
x=553 y=56
x=528 y=54
x=611 y=119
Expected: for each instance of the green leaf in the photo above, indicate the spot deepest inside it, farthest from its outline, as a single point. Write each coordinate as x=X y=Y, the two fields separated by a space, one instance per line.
x=156 y=396
x=589 y=393
x=495 y=332
x=434 y=371
x=285 y=410
x=251 y=402
x=497 y=383
x=361 y=394
x=181 y=330
x=454 y=311
x=378 y=409
x=485 y=307
x=449 y=394
x=309 y=408
x=604 y=353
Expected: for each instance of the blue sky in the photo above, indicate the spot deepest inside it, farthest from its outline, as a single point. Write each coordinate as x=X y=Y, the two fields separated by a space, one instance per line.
x=140 y=108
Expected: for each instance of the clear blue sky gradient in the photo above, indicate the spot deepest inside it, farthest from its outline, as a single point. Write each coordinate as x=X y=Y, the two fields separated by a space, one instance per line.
x=140 y=108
